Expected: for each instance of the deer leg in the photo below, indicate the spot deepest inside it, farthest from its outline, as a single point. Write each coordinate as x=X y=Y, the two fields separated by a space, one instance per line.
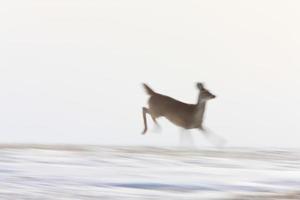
x=186 y=140
x=145 y=110
x=213 y=138
x=154 y=119
x=157 y=126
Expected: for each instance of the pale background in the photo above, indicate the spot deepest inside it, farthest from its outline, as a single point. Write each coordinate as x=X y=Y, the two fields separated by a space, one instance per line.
x=71 y=70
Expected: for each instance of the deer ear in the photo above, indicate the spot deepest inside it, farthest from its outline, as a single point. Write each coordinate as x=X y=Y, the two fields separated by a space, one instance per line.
x=200 y=86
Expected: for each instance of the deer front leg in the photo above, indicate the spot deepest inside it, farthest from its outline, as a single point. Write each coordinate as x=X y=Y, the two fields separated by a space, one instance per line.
x=215 y=139
x=186 y=139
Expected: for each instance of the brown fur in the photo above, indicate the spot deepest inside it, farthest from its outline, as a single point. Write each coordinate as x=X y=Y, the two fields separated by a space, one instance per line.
x=187 y=116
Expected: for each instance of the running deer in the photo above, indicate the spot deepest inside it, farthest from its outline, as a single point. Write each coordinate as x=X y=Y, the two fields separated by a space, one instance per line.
x=186 y=116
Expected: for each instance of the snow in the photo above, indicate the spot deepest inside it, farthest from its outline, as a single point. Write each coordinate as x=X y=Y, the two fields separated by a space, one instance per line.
x=133 y=173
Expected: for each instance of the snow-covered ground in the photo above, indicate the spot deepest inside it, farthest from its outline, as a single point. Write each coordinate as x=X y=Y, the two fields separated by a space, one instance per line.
x=136 y=173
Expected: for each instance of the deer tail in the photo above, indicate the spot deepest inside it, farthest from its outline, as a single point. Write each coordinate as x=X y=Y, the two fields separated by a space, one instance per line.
x=148 y=90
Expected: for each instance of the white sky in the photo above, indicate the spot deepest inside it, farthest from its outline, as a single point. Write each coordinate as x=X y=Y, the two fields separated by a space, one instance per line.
x=70 y=70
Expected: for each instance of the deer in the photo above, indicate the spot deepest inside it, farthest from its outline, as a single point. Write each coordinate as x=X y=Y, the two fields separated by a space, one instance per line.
x=184 y=115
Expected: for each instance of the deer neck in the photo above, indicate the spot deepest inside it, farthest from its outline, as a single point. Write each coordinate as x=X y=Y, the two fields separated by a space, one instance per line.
x=200 y=107
x=199 y=112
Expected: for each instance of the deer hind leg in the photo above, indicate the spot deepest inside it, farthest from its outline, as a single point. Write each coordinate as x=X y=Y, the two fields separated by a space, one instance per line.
x=157 y=127
x=145 y=111
x=153 y=117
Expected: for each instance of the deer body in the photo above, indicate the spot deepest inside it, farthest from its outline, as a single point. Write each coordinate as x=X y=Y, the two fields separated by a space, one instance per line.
x=187 y=116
